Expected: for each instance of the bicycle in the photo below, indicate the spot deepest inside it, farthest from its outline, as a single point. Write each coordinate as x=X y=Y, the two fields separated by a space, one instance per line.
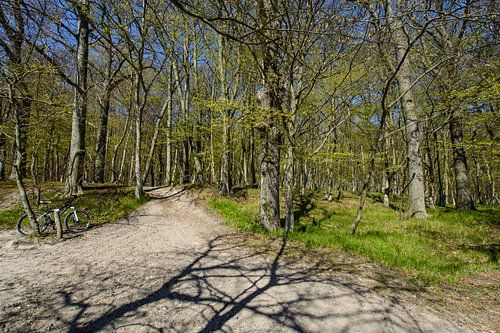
x=76 y=221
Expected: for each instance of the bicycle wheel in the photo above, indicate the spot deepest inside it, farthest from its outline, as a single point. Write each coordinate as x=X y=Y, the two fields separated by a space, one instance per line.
x=24 y=226
x=77 y=221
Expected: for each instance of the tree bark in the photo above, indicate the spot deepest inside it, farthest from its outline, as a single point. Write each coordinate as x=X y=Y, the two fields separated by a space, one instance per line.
x=140 y=103
x=115 y=176
x=17 y=107
x=416 y=189
x=102 y=132
x=100 y=159
x=19 y=99
x=168 y=143
x=165 y=109
x=270 y=104
x=139 y=106
x=251 y=153
x=77 y=151
x=463 y=198
x=226 y=186
x=3 y=139
x=269 y=167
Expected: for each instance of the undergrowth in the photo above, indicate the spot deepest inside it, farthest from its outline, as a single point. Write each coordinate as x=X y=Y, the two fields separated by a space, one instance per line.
x=104 y=205
x=446 y=246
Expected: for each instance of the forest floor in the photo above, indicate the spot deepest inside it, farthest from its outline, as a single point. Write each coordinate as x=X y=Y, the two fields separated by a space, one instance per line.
x=171 y=266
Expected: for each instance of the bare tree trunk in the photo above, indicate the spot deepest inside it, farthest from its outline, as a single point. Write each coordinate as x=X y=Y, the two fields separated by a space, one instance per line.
x=212 y=158
x=196 y=145
x=102 y=132
x=491 y=195
x=431 y=183
x=185 y=165
x=114 y=175
x=269 y=167
x=138 y=127
x=184 y=106
x=416 y=189
x=270 y=103
x=47 y=156
x=464 y=198
x=131 y=171
x=140 y=103
x=152 y=147
x=77 y=152
x=244 y=158
x=441 y=199
x=225 y=174
x=168 y=143
x=100 y=159
x=446 y=175
x=289 y=183
x=19 y=99
x=34 y=178
x=18 y=113
x=253 y=179
x=3 y=142
x=174 y=168
x=364 y=192
x=388 y=174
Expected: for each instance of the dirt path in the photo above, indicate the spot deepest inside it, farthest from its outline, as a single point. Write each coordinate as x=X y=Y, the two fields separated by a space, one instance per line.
x=171 y=267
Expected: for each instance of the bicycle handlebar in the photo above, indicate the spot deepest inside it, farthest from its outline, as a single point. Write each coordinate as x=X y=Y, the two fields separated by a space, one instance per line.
x=67 y=203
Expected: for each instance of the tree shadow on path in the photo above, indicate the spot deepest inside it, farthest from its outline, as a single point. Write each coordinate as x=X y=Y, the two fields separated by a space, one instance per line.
x=217 y=287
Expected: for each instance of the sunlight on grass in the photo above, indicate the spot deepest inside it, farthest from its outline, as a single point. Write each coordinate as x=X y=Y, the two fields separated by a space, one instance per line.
x=103 y=206
x=429 y=250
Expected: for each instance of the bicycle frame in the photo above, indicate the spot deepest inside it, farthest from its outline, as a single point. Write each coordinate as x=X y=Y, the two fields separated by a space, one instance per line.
x=48 y=214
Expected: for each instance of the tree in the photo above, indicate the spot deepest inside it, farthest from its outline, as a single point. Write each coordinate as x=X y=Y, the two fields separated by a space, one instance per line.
x=12 y=23
x=413 y=126
x=77 y=148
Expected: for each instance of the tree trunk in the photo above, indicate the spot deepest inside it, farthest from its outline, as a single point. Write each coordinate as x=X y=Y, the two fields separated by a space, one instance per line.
x=184 y=107
x=115 y=176
x=446 y=174
x=185 y=167
x=416 y=189
x=463 y=198
x=196 y=145
x=244 y=158
x=152 y=146
x=269 y=167
x=138 y=126
x=441 y=198
x=19 y=147
x=251 y=153
x=212 y=157
x=168 y=143
x=3 y=143
x=77 y=151
x=140 y=103
x=37 y=192
x=225 y=174
x=100 y=159
x=18 y=111
x=270 y=104
x=289 y=183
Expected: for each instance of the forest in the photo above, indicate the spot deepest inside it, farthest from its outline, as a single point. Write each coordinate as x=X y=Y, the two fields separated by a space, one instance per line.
x=398 y=98
x=267 y=165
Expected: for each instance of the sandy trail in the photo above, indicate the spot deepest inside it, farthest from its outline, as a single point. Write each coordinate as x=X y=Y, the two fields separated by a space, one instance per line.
x=172 y=267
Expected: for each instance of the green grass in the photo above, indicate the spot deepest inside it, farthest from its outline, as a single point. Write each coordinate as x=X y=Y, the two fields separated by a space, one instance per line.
x=103 y=205
x=430 y=251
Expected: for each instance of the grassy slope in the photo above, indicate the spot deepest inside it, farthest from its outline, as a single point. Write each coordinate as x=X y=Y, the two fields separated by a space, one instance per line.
x=103 y=205
x=430 y=251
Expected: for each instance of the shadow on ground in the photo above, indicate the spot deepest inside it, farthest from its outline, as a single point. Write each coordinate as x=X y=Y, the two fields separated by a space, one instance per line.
x=222 y=288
